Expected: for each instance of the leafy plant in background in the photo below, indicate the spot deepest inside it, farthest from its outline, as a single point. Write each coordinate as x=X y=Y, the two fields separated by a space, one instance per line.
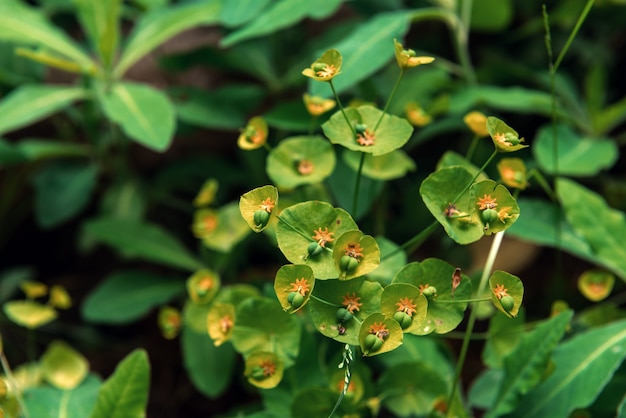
x=341 y=284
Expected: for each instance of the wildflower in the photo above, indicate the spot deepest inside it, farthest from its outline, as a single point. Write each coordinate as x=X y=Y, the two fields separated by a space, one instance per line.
x=513 y=172
x=427 y=290
x=204 y=223
x=406 y=58
x=407 y=306
x=416 y=115
x=487 y=202
x=352 y=302
x=366 y=138
x=504 y=214
x=206 y=195
x=305 y=167
x=267 y=205
x=379 y=329
x=354 y=250
x=316 y=105
x=326 y=67
x=225 y=324
x=169 y=322
x=268 y=367
x=500 y=291
x=477 y=122
x=254 y=135
x=300 y=286
x=322 y=237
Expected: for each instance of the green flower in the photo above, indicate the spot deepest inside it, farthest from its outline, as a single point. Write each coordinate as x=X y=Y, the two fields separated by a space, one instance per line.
x=326 y=67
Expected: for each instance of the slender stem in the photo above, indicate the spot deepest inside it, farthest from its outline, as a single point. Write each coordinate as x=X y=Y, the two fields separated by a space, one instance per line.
x=579 y=22
x=343 y=112
x=357 y=186
x=389 y=99
x=312 y=125
x=472 y=148
x=461 y=300
x=417 y=239
x=14 y=385
x=482 y=168
x=323 y=301
x=462 y=42
x=491 y=258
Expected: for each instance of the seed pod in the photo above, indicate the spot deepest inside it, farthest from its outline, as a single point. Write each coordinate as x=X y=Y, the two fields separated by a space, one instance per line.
x=489 y=215
x=360 y=128
x=261 y=217
x=295 y=299
x=519 y=177
x=409 y=52
x=507 y=303
x=314 y=249
x=372 y=343
x=348 y=264
x=511 y=138
x=429 y=291
x=403 y=319
x=319 y=66
x=258 y=373
x=343 y=315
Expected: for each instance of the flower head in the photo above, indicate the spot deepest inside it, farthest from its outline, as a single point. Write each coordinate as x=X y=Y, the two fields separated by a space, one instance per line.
x=317 y=105
x=354 y=250
x=486 y=202
x=305 y=167
x=366 y=138
x=416 y=115
x=326 y=67
x=477 y=122
x=407 y=306
x=205 y=221
x=352 y=302
x=206 y=195
x=500 y=291
x=267 y=205
x=379 y=329
x=301 y=286
x=323 y=236
x=254 y=135
x=504 y=214
x=406 y=58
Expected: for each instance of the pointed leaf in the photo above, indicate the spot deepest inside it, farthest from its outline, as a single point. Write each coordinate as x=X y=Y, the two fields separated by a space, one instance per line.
x=125 y=393
x=159 y=25
x=144 y=114
x=49 y=402
x=23 y=24
x=30 y=103
x=138 y=239
x=100 y=20
x=525 y=366
x=583 y=366
x=128 y=295
x=577 y=156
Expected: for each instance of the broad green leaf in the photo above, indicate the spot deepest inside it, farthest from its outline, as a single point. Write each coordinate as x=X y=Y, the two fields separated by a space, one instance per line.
x=123 y=200
x=125 y=393
x=577 y=156
x=210 y=368
x=62 y=366
x=236 y=13
x=602 y=227
x=504 y=335
x=291 y=116
x=49 y=402
x=28 y=313
x=300 y=160
x=491 y=15
x=621 y=409
x=144 y=114
x=147 y=241
x=391 y=133
x=291 y=279
x=280 y=14
x=515 y=99
x=387 y=331
x=128 y=295
x=583 y=366
x=388 y=166
x=298 y=225
x=444 y=313
x=366 y=50
x=360 y=296
x=264 y=198
x=100 y=20
x=261 y=325
x=159 y=25
x=62 y=190
x=231 y=229
x=525 y=366
x=449 y=186
x=405 y=398
x=26 y=25
x=482 y=394
x=28 y=104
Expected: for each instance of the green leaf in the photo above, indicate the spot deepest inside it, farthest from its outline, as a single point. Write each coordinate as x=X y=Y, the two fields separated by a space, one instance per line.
x=62 y=366
x=297 y=227
x=138 y=239
x=100 y=20
x=144 y=113
x=28 y=313
x=393 y=300
x=610 y=117
x=525 y=366
x=491 y=15
x=293 y=278
x=577 y=156
x=389 y=326
x=365 y=50
x=262 y=198
x=18 y=70
x=507 y=210
x=62 y=190
x=261 y=325
x=504 y=335
x=602 y=227
x=159 y=25
x=300 y=160
x=26 y=25
x=236 y=13
x=451 y=159
x=125 y=393
x=388 y=166
x=128 y=295
x=391 y=134
x=444 y=187
x=210 y=368
x=583 y=366
x=279 y=15
x=28 y=104
x=49 y=402
x=513 y=99
x=231 y=228
x=364 y=247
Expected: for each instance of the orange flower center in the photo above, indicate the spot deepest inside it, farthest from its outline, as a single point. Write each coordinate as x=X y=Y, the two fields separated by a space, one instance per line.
x=500 y=291
x=366 y=138
x=269 y=368
x=267 y=205
x=352 y=302
x=226 y=323
x=328 y=71
x=305 y=167
x=323 y=236
x=354 y=250
x=379 y=329
x=301 y=286
x=407 y=306
x=487 y=202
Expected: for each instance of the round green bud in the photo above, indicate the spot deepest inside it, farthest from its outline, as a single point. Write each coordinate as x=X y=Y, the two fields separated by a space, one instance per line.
x=429 y=291
x=489 y=215
x=507 y=303
x=258 y=373
x=409 y=52
x=295 y=299
x=261 y=217
x=343 y=315
x=360 y=128
x=348 y=264
x=511 y=138
x=319 y=66
x=372 y=343
x=403 y=319
x=314 y=249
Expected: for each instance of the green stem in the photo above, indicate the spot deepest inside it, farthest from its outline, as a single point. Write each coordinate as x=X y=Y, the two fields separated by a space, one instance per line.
x=14 y=385
x=343 y=112
x=461 y=300
x=482 y=168
x=324 y=301
x=579 y=22
x=542 y=182
x=462 y=42
x=472 y=148
x=389 y=99
x=491 y=258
